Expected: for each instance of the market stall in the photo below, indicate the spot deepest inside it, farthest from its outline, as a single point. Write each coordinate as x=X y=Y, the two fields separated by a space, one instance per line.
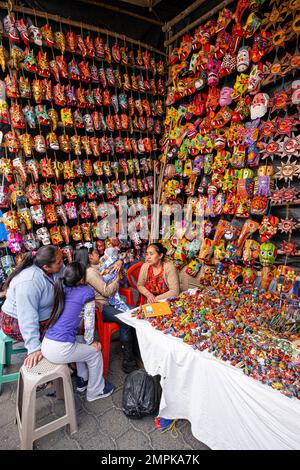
x=222 y=367
x=81 y=116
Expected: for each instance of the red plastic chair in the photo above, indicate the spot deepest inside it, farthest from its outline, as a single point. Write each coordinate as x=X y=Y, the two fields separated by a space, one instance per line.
x=132 y=278
x=105 y=330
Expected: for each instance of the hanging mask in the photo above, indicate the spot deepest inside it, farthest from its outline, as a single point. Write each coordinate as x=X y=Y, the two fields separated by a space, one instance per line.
x=30 y=242
x=286 y=279
x=213 y=71
x=268 y=253
x=251 y=251
x=46 y=192
x=259 y=106
x=11 y=221
x=56 y=236
x=50 y=214
x=52 y=141
x=256 y=75
x=225 y=96
x=43 y=235
x=42 y=115
x=71 y=210
x=15 y=242
x=32 y=194
x=70 y=191
x=37 y=214
x=57 y=193
x=17 y=117
x=61 y=213
x=76 y=233
x=268 y=228
x=243 y=59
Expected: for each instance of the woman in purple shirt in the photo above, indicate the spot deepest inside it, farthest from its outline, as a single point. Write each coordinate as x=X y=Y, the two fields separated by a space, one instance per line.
x=61 y=343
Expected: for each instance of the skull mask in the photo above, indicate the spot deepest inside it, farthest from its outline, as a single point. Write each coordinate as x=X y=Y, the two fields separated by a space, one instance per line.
x=43 y=235
x=213 y=68
x=243 y=59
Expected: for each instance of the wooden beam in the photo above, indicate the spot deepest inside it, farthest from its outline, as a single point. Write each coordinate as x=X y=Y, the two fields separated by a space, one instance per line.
x=121 y=11
x=202 y=18
x=182 y=15
x=78 y=24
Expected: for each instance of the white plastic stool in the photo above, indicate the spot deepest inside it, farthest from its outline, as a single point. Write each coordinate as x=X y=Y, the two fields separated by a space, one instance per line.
x=28 y=381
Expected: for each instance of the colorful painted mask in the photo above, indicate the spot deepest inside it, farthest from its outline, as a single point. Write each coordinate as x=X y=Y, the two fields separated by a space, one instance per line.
x=268 y=253
x=71 y=210
x=250 y=252
x=50 y=214
x=268 y=228
x=37 y=214
x=61 y=213
x=56 y=236
x=43 y=235
x=30 y=242
x=32 y=194
x=225 y=96
x=286 y=279
x=256 y=75
x=243 y=59
x=11 y=221
x=76 y=233
x=259 y=106
x=15 y=242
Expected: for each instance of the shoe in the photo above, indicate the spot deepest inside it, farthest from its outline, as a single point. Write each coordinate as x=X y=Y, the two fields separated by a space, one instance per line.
x=81 y=385
x=108 y=390
x=129 y=364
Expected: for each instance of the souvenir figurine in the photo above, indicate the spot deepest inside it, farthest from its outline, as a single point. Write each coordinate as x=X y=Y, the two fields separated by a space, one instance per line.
x=43 y=235
x=37 y=214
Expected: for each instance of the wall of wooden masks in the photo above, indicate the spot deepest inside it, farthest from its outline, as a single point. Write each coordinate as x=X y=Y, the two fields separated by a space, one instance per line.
x=81 y=117
x=231 y=146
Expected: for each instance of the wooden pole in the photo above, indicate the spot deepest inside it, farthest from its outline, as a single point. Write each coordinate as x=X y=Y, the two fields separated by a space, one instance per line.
x=199 y=20
x=182 y=15
x=121 y=11
x=78 y=24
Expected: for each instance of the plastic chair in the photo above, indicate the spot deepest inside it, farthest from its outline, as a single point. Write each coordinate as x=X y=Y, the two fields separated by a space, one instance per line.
x=105 y=331
x=29 y=379
x=6 y=351
x=132 y=278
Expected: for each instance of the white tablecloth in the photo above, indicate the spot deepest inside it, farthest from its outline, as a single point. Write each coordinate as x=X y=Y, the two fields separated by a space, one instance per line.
x=226 y=409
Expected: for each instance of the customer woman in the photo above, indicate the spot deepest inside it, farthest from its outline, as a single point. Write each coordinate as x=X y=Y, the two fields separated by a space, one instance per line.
x=90 y=259
x=29 y=299
x=158 y=279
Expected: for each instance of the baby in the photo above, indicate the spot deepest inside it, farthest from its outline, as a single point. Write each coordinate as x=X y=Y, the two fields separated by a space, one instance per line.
x=111 y=255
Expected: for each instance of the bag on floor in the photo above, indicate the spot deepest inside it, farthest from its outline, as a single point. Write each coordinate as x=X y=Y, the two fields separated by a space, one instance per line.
x=141 y=394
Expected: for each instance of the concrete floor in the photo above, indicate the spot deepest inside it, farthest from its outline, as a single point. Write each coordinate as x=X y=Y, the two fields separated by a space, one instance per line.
x=101 y=424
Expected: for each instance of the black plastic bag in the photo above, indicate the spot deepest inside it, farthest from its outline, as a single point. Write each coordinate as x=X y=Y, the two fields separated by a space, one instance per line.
x=141 y=394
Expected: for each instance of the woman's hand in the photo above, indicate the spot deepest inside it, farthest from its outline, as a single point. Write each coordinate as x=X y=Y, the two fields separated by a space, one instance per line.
x=96 y=345
x=116 y=267
x=33 y=358
x=150 y=298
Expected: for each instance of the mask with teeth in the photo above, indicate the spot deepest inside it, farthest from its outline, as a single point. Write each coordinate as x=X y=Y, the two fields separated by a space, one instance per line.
x=213 y=69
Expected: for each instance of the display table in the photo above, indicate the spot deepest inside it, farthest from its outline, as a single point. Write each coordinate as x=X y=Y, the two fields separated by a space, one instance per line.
x=226 y=409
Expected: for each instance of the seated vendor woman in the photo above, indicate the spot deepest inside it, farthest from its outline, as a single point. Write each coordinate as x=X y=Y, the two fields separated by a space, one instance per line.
x=158 y=278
